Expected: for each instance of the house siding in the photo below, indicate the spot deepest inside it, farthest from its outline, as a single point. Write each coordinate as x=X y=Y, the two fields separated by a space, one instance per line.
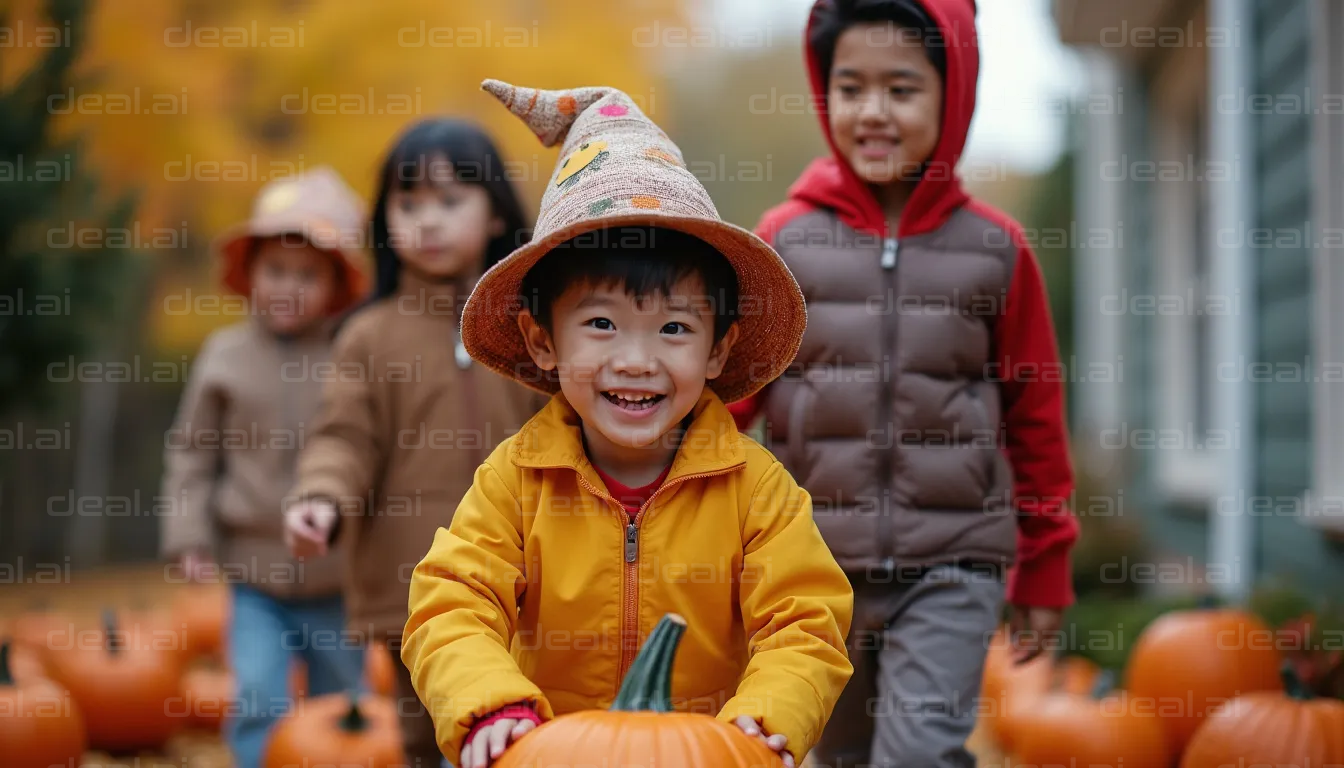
x=1285 y=548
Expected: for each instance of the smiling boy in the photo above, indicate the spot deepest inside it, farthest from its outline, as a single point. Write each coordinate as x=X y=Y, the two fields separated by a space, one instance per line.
x=632 y=494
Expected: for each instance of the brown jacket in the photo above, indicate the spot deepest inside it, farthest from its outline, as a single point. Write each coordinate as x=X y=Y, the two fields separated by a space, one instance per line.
x=402 y=429
x=229 y=458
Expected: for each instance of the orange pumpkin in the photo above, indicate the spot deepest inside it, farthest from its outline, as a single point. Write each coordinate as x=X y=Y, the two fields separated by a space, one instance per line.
x=25 y=663
x=40 y=725
x=378 y=668
x=126 y=682
x=998 y=662
x=1028 y=683
x=338 y=729
x=641 y=728
x=40 y=630
x=202 y=612
x=1188 y=663
x=207 y=696
x=1264 y=728
x=1067 y=728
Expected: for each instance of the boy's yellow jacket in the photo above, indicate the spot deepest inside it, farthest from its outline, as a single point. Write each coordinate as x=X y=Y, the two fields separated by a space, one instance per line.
x=543 y=588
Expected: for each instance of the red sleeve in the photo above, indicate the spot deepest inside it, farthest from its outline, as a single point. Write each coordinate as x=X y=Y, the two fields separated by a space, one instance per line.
x=745 y=411
x=1036 y=438
x=516 y=711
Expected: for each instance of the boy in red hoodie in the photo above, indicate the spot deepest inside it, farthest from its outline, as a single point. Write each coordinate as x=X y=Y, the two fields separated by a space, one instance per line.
x=924 y=412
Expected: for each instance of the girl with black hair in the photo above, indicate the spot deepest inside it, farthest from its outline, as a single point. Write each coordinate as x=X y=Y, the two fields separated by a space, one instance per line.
x=406 y=417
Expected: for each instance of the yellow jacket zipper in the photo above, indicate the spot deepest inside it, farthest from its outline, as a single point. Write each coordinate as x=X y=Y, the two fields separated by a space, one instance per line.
x=630 y=607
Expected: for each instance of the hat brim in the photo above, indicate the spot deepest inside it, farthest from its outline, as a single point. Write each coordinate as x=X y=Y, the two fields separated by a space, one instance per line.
x=232 y=245
x=772 y=314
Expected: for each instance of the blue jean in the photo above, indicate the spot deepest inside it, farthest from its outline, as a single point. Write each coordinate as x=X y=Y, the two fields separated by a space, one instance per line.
x=265 y=633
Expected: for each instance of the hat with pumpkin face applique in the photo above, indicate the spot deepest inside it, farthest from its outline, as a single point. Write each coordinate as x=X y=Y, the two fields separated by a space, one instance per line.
x=616 y=169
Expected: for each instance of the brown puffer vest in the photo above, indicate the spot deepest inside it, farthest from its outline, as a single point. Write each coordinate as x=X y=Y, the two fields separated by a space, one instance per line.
x=889 y=417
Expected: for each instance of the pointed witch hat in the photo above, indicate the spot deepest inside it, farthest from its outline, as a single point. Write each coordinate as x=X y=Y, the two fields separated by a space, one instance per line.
x=617 y=168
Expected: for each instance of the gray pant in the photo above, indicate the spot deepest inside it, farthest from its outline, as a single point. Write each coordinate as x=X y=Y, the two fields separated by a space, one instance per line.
x=918 y=646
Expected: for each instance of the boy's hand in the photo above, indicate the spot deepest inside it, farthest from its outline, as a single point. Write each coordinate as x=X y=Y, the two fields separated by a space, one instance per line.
x=308 y=525
x=490 y=741
x=197 y=565
x=777 y=742
x=1031 y=629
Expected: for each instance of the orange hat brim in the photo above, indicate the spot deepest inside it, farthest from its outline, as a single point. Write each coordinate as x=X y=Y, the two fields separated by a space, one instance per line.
x=233 y=246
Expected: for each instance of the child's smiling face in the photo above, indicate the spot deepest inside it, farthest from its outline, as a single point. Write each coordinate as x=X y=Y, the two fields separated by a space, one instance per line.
x=632 y=366
x=885 y=102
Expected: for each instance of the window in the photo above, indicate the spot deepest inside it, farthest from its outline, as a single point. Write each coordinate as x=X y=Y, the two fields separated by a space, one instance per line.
x=1183 y=315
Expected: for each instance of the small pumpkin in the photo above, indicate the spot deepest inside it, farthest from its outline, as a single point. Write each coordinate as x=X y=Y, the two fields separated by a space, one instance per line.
x=126 y=683
x=202 y=612
x=1066 y=728
x=1039 y=678
x=207 y=695
x=1188 y=663
x=379 y=669
x=338 y=729
x=1271 y=728
x=40 y=725
x=41 y=630
x=641 y=727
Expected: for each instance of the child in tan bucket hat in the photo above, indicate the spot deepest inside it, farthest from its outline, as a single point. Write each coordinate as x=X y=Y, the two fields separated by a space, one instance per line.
x=631 y=494
x=229 y=458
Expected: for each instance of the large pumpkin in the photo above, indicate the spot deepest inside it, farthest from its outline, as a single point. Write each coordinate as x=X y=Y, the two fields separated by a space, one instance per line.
x=1067 y=728
x=126 y=682
x=40 y=725
x=201 y=612
x=1188 y=663
x=641 y=729
x=338 y=729
x=1265 y=728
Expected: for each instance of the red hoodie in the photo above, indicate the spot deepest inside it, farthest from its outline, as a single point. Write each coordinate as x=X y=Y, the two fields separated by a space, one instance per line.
x=1033 y=421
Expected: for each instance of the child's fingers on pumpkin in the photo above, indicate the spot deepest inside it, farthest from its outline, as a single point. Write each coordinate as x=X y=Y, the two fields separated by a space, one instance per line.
x=788 y=759
x=470 y=758
x=777 y=741
x=524 y=725
x=499 y=735
x=748 y=725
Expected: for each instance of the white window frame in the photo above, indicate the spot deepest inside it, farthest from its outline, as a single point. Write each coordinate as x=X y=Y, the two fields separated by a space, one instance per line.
x=1324 y=506
x=1189 y=475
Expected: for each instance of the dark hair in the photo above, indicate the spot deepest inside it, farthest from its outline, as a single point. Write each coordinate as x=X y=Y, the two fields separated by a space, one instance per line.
x=645 y=261
x=831 y=19
x=475 y=160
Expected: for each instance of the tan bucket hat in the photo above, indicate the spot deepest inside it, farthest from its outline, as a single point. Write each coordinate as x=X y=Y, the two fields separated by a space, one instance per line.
x=319 y=206
x=617 y=168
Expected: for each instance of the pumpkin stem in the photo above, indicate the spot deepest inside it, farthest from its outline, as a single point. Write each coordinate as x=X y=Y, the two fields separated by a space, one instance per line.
x=354 y=721
x=1292 y=684
x=114 y=639
x=648 y=684
x=1104 y=685
x=6 y=678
